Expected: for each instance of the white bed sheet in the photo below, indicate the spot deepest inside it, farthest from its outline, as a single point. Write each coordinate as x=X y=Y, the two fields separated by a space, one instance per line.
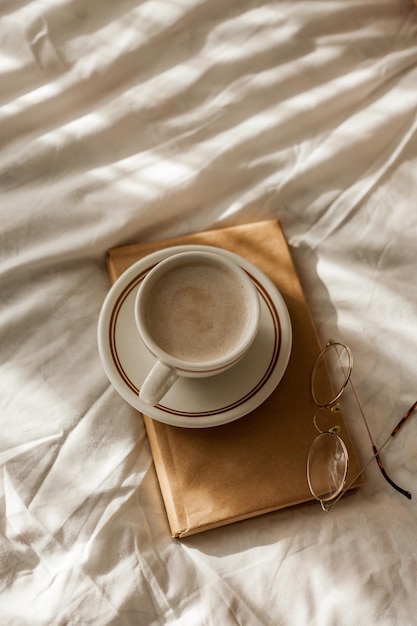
x=131 y=121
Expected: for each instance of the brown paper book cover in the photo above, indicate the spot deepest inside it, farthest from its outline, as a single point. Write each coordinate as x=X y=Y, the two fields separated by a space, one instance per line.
x=214 y=476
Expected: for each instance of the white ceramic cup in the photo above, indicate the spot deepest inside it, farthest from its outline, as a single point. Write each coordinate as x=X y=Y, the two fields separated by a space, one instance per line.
x=197 y=313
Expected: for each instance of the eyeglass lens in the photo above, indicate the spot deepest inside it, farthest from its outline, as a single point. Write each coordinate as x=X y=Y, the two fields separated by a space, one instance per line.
x=327 y=466
x=335 y=363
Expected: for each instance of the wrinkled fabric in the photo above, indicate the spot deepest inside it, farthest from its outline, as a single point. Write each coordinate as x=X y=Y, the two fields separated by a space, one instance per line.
x=124 y=122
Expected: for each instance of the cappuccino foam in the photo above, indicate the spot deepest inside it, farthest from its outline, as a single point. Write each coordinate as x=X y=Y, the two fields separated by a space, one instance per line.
x=197 y=312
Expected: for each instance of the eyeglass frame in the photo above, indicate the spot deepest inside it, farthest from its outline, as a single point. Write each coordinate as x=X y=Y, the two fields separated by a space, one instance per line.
x=327 y=504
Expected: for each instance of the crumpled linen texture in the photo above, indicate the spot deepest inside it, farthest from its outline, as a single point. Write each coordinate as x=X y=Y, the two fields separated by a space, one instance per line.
x=127 y=122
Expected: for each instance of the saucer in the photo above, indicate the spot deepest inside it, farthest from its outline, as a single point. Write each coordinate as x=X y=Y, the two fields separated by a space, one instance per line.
x=194 y=402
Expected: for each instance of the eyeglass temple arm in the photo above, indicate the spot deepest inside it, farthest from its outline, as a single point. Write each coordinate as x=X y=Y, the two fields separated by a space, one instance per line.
x=404 y=492
x=404 y=418
x=376 y=456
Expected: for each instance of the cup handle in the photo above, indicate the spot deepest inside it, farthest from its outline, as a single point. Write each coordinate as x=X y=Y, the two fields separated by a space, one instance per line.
x=157 y=383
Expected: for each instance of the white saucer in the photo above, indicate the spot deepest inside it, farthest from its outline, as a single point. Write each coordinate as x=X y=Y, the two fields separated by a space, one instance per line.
x=194 y=402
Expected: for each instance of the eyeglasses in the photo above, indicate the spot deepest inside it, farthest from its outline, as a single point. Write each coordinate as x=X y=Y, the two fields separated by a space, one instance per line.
x=328 y=459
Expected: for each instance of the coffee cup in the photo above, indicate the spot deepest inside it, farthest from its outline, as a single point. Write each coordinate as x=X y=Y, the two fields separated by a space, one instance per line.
x=197 y=312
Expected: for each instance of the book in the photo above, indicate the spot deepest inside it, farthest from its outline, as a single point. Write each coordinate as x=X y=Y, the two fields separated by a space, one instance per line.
x=214 y=476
